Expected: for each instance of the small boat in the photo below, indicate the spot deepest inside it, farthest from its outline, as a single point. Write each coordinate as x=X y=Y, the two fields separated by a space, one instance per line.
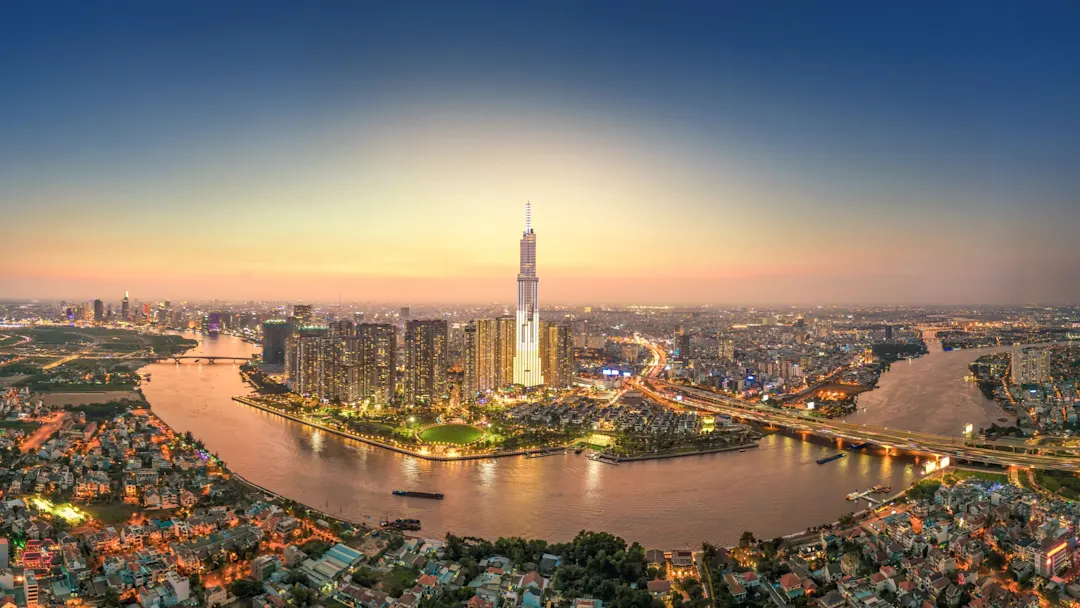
x=880 y=489
x=435 y=495
x=859 y=446
x=853 y=496
x=579 y=449
x=830 y=458
x=742 y=450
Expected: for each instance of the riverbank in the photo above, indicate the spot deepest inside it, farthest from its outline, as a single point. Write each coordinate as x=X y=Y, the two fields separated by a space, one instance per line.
x=498 y=497
x=612 y=459
x=387 y=446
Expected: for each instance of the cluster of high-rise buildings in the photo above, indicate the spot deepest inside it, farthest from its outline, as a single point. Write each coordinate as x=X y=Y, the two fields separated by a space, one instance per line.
x=352 y=361
x=97 y=311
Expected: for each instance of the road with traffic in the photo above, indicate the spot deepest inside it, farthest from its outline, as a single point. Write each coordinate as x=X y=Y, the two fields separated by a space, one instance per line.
x=975 y=450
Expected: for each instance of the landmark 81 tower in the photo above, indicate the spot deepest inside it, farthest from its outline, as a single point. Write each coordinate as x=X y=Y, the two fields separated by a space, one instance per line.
x=527 y=356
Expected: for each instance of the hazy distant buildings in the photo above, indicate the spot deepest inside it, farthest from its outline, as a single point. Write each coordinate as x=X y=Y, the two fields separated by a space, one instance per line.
x=557 y=354
x=1030 y=365
x=275 y=334
x=99 y=311
x=426 y=360
x=527 y=366
x=404 y=313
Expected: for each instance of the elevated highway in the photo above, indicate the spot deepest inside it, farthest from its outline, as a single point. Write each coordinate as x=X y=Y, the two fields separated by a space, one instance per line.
x=957 y=448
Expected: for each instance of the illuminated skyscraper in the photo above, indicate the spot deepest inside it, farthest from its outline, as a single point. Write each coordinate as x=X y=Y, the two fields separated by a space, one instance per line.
x=125 y=307
x=378 y=348
x=342 y=328
x=527 y=367
x=469 y=356
x=306 y=358
x=487 y=354
x=557 y=354
x=426 y=360
x=505 y=349
x=681 y=345
x=1030 y=365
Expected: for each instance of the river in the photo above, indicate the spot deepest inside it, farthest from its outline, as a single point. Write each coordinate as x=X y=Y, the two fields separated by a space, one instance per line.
x=944 y=402
x=773 y=490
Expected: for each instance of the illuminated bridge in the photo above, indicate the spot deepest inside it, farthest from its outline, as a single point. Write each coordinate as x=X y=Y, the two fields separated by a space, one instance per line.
x=981 y=451
x=179 y=358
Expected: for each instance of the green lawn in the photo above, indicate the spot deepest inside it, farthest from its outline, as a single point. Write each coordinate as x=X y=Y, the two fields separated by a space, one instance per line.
x=987 y=475
x=452 y=433
x=112 y=513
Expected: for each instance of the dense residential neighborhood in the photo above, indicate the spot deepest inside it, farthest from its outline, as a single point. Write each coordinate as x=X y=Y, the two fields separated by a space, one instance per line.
x=104 y=505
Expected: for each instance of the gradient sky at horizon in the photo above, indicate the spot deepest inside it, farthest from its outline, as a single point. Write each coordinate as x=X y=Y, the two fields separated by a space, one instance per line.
x=811 y=153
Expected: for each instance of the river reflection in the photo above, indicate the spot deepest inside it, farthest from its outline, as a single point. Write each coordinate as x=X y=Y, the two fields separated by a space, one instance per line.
x=773 y=490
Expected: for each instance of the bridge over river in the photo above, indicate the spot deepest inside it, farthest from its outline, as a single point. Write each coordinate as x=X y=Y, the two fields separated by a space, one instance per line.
x=982 y=451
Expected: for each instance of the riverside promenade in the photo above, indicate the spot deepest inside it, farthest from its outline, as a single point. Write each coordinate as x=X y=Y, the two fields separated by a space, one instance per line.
x=382 y=444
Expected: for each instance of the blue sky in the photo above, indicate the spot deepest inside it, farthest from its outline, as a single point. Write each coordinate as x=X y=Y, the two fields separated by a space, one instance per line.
x=844 y=152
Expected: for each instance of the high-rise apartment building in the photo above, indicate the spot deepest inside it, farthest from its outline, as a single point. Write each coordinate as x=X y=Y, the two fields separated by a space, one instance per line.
x=681 y=345
x=487 y=346
x=125 y=308
x=557 y=354
x=377 y=362
x=505 y=349
x=342 y=328
x=726 y=349
x=99 y=311
x=275 y=334
x=404 y=313
x=306 y=358
x=469 y=351
x=1030 y=365
x=426 y=360
x=527 y=366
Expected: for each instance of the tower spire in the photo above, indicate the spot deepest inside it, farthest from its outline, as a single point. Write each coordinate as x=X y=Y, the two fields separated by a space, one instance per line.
x=528 y=217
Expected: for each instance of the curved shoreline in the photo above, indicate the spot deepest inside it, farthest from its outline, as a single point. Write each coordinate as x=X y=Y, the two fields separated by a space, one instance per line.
x=388 y=446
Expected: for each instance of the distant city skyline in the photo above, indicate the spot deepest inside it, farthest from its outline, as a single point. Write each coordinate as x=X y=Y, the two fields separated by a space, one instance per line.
x=838 y=154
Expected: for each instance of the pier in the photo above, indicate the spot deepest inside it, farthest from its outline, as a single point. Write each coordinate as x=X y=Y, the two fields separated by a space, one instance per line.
x=865 y=494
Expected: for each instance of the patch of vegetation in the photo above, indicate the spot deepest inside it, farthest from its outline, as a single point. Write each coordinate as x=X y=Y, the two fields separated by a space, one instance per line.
x=452 y=433
x=924 y=489
x=111 y=513
x=19 y=425
x=109 y=410
x=315 y=548
x=1062 y=483
x=960 y=474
